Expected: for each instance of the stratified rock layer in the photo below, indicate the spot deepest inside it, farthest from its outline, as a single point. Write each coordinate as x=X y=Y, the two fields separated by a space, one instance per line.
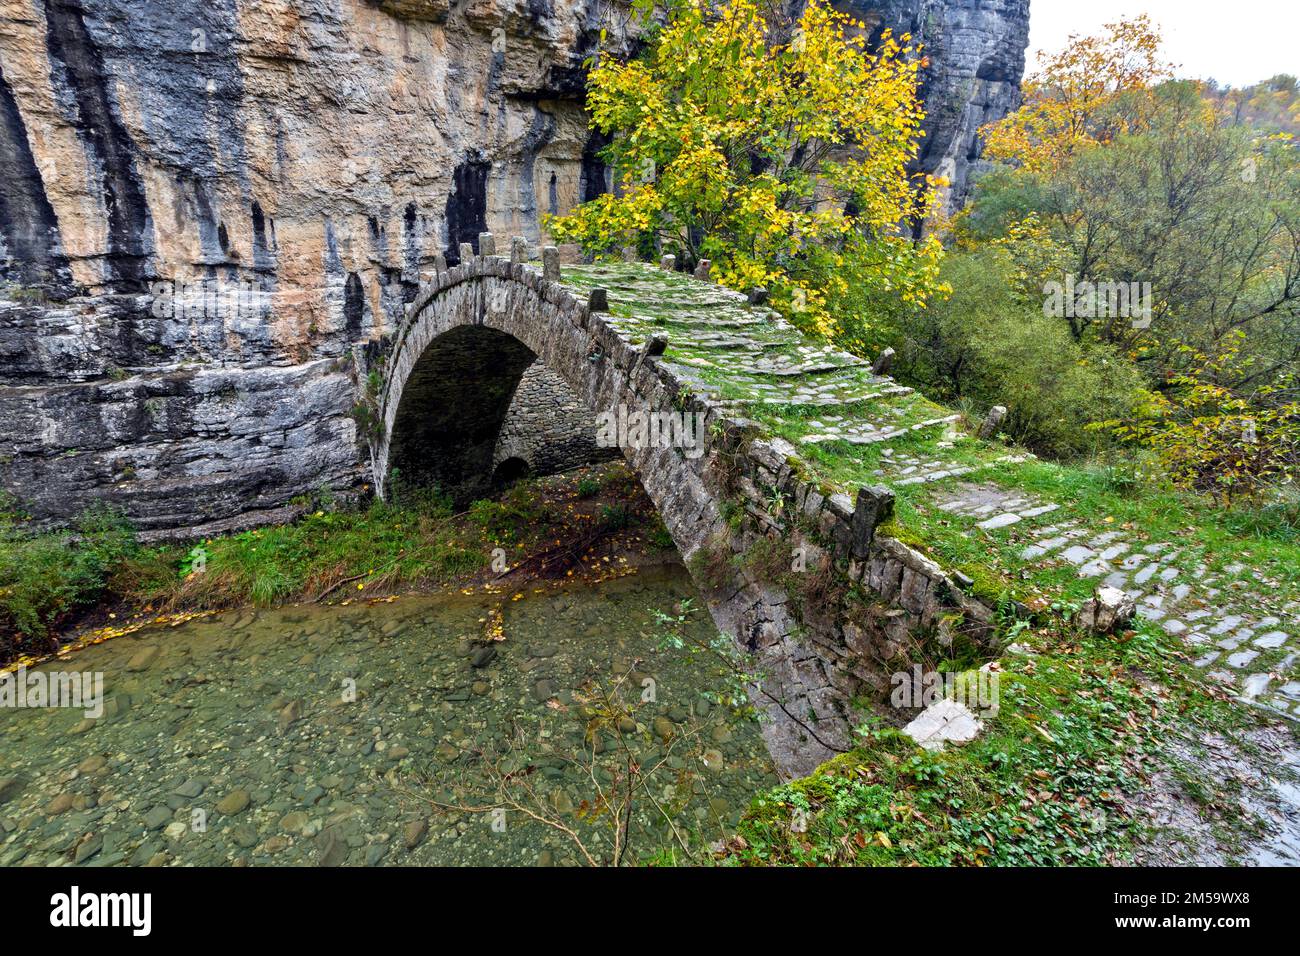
x=204 y=205
x=976 y=51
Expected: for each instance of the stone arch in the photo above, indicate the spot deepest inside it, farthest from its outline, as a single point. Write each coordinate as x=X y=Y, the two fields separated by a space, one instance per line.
x=510 y=470
x=815 y=654
x=451 y=370
x=451 y=409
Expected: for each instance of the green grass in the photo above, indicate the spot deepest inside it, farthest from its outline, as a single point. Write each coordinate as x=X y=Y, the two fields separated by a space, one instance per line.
x=386 y=546
x=1260 y=536
x=1079 y=725
x=45 y=578
x=415 y=542
x=1257 y=538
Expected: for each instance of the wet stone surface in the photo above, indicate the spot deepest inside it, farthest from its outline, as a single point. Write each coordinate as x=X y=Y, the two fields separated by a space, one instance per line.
x=237 y=739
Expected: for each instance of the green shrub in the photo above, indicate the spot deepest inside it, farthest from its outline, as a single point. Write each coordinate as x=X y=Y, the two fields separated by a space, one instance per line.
x=615 y=517
x=508 y=518
x=44 y=577
x=987 y=345
x=660 y=536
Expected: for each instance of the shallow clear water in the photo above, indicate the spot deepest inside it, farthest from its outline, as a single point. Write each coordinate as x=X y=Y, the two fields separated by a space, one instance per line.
x=345 y=728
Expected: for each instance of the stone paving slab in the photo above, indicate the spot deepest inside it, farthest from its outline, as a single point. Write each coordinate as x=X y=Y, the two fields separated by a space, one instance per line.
x=747 y=356
x=1225 y=630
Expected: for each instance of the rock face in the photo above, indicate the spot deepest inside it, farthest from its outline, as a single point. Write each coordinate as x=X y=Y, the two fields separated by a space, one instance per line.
x=205 y=205
x=976 y=50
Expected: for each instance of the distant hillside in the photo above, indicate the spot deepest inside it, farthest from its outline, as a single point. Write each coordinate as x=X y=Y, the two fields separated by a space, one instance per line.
x=1271 y=104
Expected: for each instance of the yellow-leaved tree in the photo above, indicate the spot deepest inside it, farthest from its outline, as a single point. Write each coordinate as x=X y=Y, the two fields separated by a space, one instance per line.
x=1075 y=99
x=778 y=151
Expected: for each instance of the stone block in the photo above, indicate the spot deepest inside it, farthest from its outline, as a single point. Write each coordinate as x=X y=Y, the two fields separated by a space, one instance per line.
x=992 y=421
x=944 y=722
x=883 y=363
x=875 y=505
x=1108 y=611
x=551 y=263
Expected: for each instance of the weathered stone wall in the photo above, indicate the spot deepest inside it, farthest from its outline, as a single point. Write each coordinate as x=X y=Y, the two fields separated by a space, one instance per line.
x=547 y=427
x=300 y=140
x=881 y=599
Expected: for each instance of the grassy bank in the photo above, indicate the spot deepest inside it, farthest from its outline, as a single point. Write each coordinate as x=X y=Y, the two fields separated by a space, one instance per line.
x=51 y=582
x=1088 y=731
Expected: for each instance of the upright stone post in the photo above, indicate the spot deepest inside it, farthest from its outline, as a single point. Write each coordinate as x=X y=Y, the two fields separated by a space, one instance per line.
x=668 y=262
x=758 y=295
x=518 y=250
x=702 y=270
x=551 y=263
x=466 y=252
x=598 y=300
x=629 y=254
x=992 y=421
x=487 y=244
x=439 y=264
x=874 y=505
x=656 y=346
x=883 y=363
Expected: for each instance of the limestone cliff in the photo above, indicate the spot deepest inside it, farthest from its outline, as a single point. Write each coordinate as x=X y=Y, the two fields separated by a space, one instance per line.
x=221 y=196
x=205 y=203
x=976 y=51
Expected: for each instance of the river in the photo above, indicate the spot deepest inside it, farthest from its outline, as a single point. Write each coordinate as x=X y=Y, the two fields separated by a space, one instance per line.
x=464 y=728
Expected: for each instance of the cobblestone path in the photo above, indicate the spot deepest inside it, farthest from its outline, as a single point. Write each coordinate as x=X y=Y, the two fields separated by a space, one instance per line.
x=1235 y=620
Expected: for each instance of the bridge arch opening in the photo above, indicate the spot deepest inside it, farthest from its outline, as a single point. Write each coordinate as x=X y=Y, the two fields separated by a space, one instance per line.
x=509 y=472
x=452 y=408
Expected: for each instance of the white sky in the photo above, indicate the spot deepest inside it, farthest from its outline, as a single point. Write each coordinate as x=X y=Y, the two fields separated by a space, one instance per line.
x=1234 y=41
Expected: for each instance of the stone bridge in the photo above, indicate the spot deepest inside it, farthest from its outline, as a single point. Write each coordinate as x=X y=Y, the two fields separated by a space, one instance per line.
x=826 y=607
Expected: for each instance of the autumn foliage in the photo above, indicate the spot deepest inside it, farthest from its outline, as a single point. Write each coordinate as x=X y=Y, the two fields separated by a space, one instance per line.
x=1228 y=440
x=778 y=151
x=1070 y=103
